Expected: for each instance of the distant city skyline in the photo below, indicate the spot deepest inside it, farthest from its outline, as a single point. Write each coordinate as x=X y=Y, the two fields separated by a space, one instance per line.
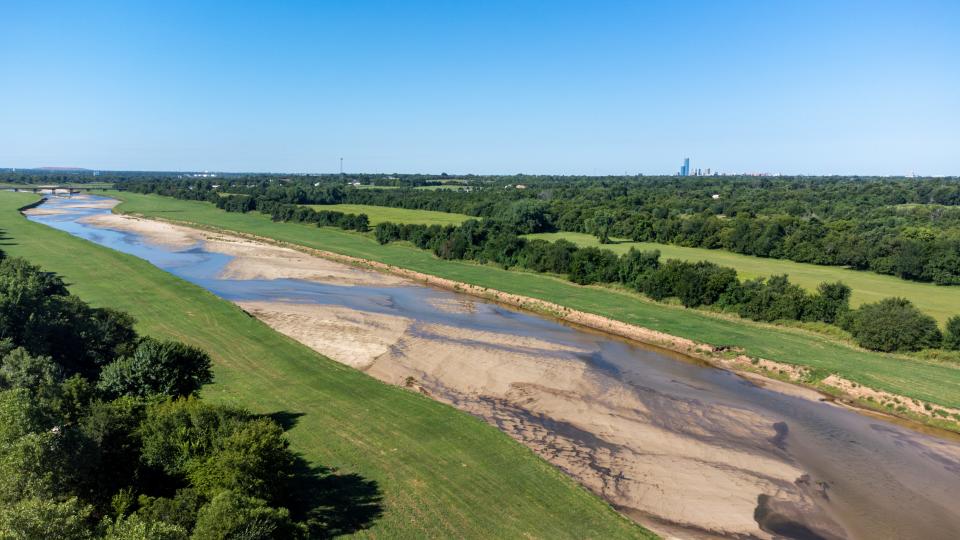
x=497 y=88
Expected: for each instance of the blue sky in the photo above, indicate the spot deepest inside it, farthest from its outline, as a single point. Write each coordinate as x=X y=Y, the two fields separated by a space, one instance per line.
x=486 y=87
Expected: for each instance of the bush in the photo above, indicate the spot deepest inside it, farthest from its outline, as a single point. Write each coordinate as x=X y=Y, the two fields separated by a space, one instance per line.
x=592 y=265
x=951 y=339
x=29 y=519
x=894 y=324
x=169 y=368
x=234 y=516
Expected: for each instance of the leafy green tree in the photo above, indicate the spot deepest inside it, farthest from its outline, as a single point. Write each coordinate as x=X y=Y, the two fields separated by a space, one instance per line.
x=894 y=324
x=230 y=515
x=253 y=461
x=43 y=518
x=600 y=225
x=175 y=432
x=20 y=370
x=526 y=216
x=636 y=264
x=135 y=527
x=169 y=368
x=593 y=265
x=181 y=510
x=831 y=301
x=951 y=338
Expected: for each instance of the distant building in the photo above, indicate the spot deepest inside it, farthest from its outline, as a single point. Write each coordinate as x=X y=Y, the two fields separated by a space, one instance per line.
x=715 y=196
x=685 y=168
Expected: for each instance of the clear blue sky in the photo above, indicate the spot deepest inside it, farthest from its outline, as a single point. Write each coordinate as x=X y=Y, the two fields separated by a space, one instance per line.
x=486 y=87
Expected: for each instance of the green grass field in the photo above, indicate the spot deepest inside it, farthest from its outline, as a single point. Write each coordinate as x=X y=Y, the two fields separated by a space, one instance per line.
x=922 y=379
x=448 y=187
x=442 y=473
x=939 y=302
x=379 y=214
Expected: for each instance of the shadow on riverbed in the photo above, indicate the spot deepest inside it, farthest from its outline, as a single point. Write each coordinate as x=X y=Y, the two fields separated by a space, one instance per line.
x=333 y=504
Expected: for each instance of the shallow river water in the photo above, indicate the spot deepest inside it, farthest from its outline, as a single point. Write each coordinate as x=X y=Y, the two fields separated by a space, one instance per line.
x=859 y=476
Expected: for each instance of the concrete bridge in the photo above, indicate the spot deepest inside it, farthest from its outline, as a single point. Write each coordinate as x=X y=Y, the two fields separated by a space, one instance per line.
x=58 y=188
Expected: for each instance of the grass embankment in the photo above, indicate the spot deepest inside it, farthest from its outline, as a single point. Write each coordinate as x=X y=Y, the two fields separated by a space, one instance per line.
x=442 y=473
x=916 y=378
x=939 y=302
x=379 y=214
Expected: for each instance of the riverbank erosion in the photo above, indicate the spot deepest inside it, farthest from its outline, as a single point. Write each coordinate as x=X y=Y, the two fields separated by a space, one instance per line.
x=679 y=461
x=838 y=388
x=678 y=465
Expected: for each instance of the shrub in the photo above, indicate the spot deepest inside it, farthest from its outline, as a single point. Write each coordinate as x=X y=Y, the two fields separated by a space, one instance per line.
x=894 y=324
x=951 y=339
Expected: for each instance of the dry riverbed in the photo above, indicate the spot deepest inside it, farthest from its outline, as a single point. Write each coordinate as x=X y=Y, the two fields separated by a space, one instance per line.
x=684 y=468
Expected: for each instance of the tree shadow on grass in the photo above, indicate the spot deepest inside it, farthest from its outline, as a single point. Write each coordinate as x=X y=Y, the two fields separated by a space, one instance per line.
x=331 y=503
x=285 y=419
x=334 y=504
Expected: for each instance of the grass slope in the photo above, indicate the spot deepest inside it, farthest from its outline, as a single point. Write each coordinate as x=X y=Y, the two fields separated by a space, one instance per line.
x=442 y=473
x=379 y=214
x=939 y=302
x=921 y=379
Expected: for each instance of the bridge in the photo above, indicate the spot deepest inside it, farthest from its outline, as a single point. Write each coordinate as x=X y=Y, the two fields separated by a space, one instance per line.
x=59 y=188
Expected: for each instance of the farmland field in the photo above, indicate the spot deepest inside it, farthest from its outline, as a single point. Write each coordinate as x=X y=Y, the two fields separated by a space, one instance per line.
x=938 y=301
x=921 y=379
x=379 y=214
x=441 y=472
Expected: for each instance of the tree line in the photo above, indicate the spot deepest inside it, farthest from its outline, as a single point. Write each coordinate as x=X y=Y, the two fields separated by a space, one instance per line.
x=889 y=325
x=102 y=434
x=279 y=211
x=905 y=227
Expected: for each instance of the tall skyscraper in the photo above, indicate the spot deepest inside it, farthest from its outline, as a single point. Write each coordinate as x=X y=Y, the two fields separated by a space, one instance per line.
x=685 y=169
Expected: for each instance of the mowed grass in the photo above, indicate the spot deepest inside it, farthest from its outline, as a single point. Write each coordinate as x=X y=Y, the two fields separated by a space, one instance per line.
x=442 y=473
x=380 y=214
x=921 y=379
x=940 y=302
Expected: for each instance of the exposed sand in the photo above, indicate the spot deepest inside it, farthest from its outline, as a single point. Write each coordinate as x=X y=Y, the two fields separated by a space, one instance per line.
x=657 y=458
x=350 y=337
x=252 y=260
x=687 y=470
x=41 y=211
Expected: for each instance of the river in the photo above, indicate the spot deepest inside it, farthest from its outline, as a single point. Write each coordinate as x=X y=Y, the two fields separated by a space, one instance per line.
x=689 y=450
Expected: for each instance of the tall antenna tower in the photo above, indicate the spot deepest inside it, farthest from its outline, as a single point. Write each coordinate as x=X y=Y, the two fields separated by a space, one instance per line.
x=341 y=166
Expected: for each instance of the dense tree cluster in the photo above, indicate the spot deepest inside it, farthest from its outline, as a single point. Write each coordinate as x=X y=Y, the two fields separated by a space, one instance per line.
x=905 y=227
x=694 y=284
x=101 y=435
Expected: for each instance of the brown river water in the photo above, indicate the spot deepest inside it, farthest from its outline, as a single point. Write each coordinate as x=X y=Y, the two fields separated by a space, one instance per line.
x=688 y=450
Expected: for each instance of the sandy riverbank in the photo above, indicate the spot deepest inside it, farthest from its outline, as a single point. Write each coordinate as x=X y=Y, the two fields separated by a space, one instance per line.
x=685 y=468
x=251 y=259
x=758 y=370
x=647 y=453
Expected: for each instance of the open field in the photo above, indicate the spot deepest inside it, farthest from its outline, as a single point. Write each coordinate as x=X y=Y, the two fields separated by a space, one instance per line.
x=921 y=379
x=441 y=472
x=939 y=302
x=379 y=214
x=450 y=187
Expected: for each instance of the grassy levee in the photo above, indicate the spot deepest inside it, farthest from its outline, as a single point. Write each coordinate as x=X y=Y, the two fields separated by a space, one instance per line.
x=379 y=214
x=927 y=380
x=939 y=302
x=441 y=472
